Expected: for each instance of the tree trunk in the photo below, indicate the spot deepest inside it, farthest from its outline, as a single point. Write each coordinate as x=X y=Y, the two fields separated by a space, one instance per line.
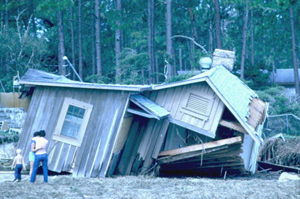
x=210 y=38
x=98 y=42
x=72 y=42
x=245 y=30
x=252 y=38
x=218 y=24
x=118 y=41
x=61 y=47
x=156 y=69
x=195 y=36
x=296 y=74
x=180 y=59
x=31 y=9
x=169 y=38
x=6 y=32
x=151 y=66
x=93 y=50
x=79 y=40
x=194 y=29
x=6 y=15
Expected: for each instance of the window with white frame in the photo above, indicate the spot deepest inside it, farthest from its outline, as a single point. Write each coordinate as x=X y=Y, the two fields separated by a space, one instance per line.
x=72 y=121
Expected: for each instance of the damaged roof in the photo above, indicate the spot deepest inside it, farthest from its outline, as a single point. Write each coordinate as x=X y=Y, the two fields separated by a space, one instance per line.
x=149 y=106
x=234 y=93
x=41 y=78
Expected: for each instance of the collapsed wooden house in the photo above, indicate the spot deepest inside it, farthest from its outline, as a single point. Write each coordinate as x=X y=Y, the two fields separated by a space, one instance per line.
x=210 y=124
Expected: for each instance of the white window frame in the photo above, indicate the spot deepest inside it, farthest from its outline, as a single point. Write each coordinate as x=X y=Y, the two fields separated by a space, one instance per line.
x=57 y=132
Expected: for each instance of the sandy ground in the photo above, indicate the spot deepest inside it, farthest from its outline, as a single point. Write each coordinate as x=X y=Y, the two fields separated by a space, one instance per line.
x=68 y=187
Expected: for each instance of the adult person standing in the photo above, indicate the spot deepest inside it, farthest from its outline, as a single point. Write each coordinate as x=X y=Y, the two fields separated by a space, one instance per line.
x=32 y=154
x=40 y=156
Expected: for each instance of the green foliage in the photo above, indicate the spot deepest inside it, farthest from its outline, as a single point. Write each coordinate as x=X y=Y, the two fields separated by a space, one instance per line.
x=133 y=65
x=278 y=102
x=258 y=76
x=180 y=77
x=194 y=19
x=22 y=51
x=98 y=79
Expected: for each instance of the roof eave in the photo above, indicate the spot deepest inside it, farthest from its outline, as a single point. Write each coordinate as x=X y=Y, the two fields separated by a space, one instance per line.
x=175 y=84
x=72 y=85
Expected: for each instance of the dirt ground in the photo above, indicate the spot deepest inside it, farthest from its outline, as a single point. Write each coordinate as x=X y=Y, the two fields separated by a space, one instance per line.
x=68 y=187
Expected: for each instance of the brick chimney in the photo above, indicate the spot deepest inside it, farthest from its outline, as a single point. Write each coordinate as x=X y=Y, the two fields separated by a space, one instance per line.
x=223 y=57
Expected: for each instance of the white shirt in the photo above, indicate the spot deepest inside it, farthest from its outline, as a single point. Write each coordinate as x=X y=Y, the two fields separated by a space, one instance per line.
x=42 y=143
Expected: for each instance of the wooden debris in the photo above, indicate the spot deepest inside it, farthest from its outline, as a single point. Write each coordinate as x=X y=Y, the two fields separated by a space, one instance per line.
x=277 y=167
x=233 y=125
x=207 y=145
x=217 y=158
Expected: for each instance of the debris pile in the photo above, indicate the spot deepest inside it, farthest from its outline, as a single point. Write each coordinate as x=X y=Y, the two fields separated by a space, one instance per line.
x=281 y=152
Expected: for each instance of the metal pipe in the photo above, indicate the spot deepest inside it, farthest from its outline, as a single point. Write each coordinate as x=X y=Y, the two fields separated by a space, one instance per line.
x=66 y=58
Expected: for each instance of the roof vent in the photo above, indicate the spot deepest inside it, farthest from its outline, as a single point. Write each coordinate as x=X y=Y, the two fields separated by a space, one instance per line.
x=205 y=63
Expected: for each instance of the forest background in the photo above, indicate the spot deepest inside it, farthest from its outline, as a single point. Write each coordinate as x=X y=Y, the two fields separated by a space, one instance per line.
x=146 y=42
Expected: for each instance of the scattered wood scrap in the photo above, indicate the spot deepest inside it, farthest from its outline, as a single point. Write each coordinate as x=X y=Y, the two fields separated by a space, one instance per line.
x=277 y=167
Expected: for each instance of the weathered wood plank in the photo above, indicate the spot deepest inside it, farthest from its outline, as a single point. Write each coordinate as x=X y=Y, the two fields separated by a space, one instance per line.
x=207 y=145
x=176 y=137
x=61 y=159
x=161 y=138
x=111 y=141
x=150 y=147
x=128 y=148
x=174 y=158
x=94 y=133
x=145 y=140
x=69 y=159
x=27 y=131
x=59 y=95
x=109 y=131
x=123 y=134
x=137 y=143
x=191 y=127
x=233 y=125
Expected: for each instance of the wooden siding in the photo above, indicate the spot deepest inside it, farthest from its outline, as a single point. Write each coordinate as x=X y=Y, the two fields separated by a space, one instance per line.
x=144 y=144
x=92 y=157
x=175 y=99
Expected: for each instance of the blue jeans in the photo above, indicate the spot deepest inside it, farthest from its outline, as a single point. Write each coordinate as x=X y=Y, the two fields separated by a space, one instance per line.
x=40 y=158
x=18 y=170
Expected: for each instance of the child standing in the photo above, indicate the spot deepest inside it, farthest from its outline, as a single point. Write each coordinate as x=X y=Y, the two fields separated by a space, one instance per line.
x=18 y=163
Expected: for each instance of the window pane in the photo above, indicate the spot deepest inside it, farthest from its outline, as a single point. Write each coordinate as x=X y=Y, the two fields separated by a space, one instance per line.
x=70 y=109
x=73 y=121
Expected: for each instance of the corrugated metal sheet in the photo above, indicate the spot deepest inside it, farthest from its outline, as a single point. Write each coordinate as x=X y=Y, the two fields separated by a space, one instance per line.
x=37 y=77
x=149 y=106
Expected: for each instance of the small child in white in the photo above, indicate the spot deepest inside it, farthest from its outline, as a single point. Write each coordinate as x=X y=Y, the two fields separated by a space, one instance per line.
x=18 y=163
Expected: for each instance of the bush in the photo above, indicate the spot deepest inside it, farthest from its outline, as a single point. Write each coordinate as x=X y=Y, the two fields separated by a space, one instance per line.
x=278 y=102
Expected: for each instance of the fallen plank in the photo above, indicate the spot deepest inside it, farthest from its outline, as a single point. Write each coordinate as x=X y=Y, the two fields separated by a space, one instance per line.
x=233 y=125
x=174 y=158
x=198 y=147
x=277 y=167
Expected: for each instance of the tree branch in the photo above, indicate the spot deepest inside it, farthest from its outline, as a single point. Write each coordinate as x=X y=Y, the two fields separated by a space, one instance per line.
x=193 y=40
